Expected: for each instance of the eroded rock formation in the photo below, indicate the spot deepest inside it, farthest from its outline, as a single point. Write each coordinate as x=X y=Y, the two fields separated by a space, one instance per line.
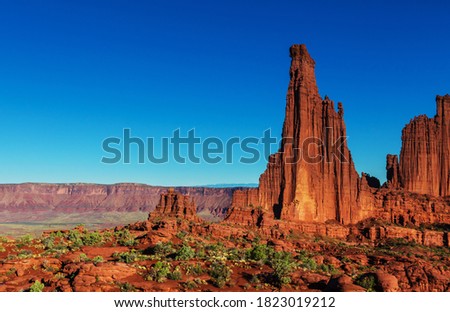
x=393 y=179
x=425 y=154
x=175 y=204
x=312 y=177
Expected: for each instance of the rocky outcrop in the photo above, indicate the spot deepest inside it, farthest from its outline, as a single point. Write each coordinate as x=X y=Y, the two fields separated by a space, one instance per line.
x=393 y=179
x=175 y=204
x=19 y=201
x=312 y=177
x=425 y=154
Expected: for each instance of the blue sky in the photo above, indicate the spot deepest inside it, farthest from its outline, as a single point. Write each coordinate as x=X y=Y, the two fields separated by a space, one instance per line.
x=75 y=73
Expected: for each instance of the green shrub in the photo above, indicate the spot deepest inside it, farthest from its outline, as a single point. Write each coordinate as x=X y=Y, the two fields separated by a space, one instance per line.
x=236 y=254
x=259 y=252
x=126 y=287
x=309 y=264
x=92 y=239
x=25 y=254
x=192 y=269
x=176 y=274
x=37 y=287
x=75 y=238
x=367 y=281
x=190 y=285
x=283 y=265
x=216 y=250
x=84 y=258
x=159 y=271
x=97 y=259
x=25 y=240
x=163 y=249
x=220 y=274
x=181 y=234
x=124 y=238
x=128 y=257
x=328 y=268
x=48 y=242
x=185 y=253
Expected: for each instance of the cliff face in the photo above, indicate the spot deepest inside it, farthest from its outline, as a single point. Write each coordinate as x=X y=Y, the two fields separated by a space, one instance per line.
x=425 y=154
x=312 y=177
x=20 y=199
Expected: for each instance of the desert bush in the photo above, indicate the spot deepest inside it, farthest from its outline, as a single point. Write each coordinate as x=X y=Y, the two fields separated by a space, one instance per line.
x=125 y=238
x=92 y=239
x=190 y=284
x=366 y=281
x=307 y=262
x=57 y=234
x=194 y=269
x=236 y=254
x=48 y=242
x=185 y=253
x=25 y=240
x=283 y=265
x=163 y=249
x=181 y=234
x=220 y=274
x=25 y=254
x=259 y=252
x=97 y=259
x=159 y=271
x=83 y=257
x=328 y=268
x=176 y=274
x=126 y=287
x=128 y=257
x=75 y=238
x=216 y=252
x=37 y=287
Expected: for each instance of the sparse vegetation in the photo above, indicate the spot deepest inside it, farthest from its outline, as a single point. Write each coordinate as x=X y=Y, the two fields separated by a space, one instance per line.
x=163 y=249
x=176 y=274
x=185 y=253
x=37 y=287
x=283 y=265
x=97 y=259
x=126 y=287
x=220 y=274
x=129 y=256
x=125 y=238
x=159 y=271
x=366 y=281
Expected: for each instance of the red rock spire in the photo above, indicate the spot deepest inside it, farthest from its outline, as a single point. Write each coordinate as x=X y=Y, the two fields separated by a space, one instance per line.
x=312 y=177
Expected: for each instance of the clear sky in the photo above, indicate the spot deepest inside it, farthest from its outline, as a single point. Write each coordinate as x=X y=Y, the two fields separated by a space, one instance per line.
x=73 y=73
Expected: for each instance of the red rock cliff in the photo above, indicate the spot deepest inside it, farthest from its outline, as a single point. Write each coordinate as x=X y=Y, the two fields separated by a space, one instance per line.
x=312 y=177
x=18 y=201
x=425 y=154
